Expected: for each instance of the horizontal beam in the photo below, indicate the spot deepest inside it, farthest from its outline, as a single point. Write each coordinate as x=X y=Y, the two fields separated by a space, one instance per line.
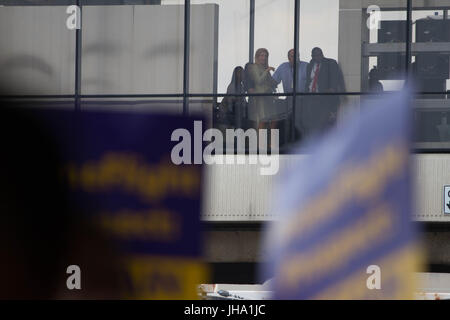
x=375 y=49
x=401 y=4
x=432 y=105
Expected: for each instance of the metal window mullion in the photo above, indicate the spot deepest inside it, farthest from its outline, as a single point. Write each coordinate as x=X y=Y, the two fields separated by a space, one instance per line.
x=408 y=38
x=78 y=48
x=187 y=24
x=296 y=54
x=251 y=37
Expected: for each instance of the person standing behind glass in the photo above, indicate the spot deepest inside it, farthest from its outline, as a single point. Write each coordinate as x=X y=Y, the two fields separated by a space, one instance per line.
x=248 y=85
x=285 y=74
x=236 y=104
x=374 y=81
x=261 y=108
x=323 y=76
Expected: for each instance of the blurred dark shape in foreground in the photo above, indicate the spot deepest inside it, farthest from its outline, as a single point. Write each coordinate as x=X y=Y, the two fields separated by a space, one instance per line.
x=40 y=235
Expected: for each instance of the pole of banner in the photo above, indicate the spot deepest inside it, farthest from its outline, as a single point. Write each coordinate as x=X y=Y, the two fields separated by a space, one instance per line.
x=187 y=24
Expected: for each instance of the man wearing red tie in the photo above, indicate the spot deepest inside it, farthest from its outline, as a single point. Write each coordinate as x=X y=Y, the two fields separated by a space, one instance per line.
x=320 y=111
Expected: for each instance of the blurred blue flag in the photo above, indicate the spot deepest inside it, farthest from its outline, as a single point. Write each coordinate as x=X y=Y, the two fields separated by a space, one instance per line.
x=344 y=229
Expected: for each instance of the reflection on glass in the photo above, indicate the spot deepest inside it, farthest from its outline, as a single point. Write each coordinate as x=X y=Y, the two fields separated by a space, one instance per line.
x=144 y=105
x=37 y=51
x=68 y=2
x=386 y=68
x=431 y=70
x=130 y=51
x=431 y=74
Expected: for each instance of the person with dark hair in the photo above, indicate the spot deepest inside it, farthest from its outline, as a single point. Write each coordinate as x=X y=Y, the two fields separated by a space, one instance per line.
x=285 y=74
x=261 y=108
x=374 y=81
x=322 y=76
x=236 y=104
x=248 y=83
x=322 y=73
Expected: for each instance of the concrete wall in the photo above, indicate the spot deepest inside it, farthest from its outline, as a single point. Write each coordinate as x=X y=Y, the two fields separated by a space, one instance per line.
x=238 y=246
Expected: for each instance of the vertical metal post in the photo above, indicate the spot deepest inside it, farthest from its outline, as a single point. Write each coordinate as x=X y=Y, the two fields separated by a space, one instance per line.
x=296 y=54
x=187 y=24
x=365 y=39
x=78 y=48
x=216 y=49
x=408 y=39
x=251 y=38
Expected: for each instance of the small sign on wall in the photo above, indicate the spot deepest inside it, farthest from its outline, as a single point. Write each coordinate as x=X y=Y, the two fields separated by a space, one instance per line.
x=447 y=199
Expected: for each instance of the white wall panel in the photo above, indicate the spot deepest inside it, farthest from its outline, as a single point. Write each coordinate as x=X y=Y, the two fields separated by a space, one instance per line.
x=240 y=193
x=432 y=172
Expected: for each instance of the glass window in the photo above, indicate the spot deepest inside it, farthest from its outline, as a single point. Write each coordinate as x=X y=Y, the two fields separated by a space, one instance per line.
x=431 y=52
x=68 y=2
x=382 y=33
x=387 y=68
x=274 y=31
x=37 y=51
x=319 y=27
x=218 y=44
x=137 y=47
x=131 y=104
x=41 y=103
x=235 y=112
x=133 y=50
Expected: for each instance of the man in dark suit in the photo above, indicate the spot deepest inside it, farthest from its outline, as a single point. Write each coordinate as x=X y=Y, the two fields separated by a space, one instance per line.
x=322 y=76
